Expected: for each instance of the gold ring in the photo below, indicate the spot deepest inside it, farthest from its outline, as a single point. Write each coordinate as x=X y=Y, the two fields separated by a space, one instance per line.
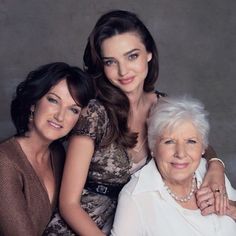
x=217 y=191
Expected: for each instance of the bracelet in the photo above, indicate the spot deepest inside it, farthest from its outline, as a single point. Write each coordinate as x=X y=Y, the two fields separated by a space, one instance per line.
x=217 y=159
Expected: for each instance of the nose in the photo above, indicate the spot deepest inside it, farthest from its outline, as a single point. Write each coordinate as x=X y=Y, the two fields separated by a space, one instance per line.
x=60 y=114
x=180 y=151
x=122 y=69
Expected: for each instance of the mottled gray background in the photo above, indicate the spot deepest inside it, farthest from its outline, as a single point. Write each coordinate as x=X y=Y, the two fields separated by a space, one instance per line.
x=196 y=41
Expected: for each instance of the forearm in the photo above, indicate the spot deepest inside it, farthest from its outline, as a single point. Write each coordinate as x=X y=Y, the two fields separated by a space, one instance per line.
x=79 y=220
x=215 y=172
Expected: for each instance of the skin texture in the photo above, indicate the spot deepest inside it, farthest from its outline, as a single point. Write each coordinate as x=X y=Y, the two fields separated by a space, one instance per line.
x=178 y=154
x=55 y=114
x=126 y=61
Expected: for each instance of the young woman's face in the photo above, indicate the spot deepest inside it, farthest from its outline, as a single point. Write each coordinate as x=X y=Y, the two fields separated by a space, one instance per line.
x=178 y=153
x=125 y=61
x=55 y=114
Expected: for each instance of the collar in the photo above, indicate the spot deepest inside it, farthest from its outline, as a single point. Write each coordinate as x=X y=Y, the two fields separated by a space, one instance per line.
x=148 y=179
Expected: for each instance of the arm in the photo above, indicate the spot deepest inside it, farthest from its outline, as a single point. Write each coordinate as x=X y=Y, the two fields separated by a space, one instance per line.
x=14 y=218
x=79 y=154
x=127 y=218
x=214 y=179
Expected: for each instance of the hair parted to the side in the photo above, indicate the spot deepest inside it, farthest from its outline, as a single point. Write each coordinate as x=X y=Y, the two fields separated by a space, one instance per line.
x=115 y=101
x=172 y=111
x=38 y=82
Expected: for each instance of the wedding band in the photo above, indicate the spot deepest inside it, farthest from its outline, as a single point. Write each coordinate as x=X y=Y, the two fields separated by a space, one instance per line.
x=208 y=203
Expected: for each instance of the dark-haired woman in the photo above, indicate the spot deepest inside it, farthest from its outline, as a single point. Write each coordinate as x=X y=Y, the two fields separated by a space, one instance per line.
x=45 y=109
x=110 y=140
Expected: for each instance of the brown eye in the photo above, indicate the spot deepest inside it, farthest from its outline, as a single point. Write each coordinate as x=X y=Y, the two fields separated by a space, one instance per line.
x=52 y=100
x=133 y=56
x=75 y=110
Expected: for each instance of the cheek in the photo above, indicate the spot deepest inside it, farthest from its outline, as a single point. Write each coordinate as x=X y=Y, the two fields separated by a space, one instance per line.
x=110 y=72
x=70 y=121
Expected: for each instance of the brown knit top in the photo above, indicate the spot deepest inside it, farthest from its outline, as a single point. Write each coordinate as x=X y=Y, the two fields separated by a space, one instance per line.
x=25 y=208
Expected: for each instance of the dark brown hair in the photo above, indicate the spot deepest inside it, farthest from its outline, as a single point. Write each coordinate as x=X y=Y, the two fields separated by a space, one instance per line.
x=115 y=101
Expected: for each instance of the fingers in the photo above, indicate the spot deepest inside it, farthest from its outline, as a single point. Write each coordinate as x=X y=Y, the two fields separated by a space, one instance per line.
x=221 y=201
x=205 y=198
x=215 y=201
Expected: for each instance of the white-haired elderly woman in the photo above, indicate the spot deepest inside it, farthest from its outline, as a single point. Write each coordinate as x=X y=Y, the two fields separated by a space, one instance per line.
x=160 y=198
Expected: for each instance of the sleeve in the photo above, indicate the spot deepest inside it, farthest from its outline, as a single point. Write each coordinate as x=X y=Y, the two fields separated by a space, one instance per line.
x=14 y=218
x=127 y=218
x=92 y=121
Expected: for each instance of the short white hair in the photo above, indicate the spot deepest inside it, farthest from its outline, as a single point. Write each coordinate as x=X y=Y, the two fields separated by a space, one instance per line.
x=171 y=111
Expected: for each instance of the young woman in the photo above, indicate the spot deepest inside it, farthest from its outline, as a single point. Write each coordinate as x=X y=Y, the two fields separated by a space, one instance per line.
x=45 y=109
x=110 y=140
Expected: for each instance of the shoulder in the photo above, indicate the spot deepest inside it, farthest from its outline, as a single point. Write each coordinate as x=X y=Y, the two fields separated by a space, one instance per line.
x=93 y=111
x=9 y=151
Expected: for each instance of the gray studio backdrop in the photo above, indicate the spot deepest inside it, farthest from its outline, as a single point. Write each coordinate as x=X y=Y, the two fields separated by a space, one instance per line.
x=196 y=41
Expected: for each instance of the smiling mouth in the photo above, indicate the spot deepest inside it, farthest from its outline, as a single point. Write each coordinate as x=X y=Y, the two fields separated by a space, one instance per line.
x=55 y=125
x=179 y=165
x=126 y=81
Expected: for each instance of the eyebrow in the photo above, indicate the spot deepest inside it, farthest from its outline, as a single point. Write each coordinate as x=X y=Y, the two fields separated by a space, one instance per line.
x=125 y=54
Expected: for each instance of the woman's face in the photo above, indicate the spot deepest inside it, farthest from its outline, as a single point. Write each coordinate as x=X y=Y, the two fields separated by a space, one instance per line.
x=178 y=153
x=55 y=114
x=125 y=61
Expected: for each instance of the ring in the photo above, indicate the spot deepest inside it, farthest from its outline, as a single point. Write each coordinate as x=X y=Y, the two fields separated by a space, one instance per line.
x=216 y=191
x=208 y=203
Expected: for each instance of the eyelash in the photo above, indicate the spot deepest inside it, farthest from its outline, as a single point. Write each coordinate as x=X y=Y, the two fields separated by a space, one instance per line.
x=75 y=111
x=108 y=62
x=133 y=56
x=168 y=142
x=190 y=141
x=52 y=100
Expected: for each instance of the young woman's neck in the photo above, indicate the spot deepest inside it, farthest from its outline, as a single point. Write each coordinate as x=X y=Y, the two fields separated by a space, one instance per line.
x=136 y=100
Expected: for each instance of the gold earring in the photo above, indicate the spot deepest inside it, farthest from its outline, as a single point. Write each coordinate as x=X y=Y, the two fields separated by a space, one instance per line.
x=31 y=116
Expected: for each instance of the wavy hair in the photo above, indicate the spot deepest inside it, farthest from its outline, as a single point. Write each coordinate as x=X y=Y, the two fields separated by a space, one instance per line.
x=115 y=101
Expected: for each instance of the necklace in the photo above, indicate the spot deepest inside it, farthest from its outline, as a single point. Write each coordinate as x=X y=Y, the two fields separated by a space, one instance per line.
x=185 y=198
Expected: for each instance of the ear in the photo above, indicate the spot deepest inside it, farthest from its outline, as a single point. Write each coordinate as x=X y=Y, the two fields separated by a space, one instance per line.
x=203 y=152
x=149 y=56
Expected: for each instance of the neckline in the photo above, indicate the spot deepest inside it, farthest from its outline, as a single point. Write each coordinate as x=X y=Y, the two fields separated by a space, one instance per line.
x=27 y=162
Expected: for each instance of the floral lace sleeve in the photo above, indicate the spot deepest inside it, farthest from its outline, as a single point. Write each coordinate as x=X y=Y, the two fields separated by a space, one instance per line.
x=92 y=121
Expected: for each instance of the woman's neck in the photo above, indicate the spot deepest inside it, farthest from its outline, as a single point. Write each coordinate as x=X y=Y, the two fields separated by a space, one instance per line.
x=35 y=149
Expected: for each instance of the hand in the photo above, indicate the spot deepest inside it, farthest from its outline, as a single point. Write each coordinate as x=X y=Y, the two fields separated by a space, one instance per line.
x=215 y=180
x=206 y=200
x=221 y=200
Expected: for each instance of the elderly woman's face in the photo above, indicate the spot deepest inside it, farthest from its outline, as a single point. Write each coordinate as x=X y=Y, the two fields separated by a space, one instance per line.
x=178 y=152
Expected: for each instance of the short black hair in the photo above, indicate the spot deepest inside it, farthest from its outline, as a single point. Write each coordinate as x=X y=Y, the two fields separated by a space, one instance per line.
x=38 y=82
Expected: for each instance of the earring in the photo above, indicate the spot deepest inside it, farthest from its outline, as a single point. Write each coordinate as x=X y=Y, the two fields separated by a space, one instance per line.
x=31 y=116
